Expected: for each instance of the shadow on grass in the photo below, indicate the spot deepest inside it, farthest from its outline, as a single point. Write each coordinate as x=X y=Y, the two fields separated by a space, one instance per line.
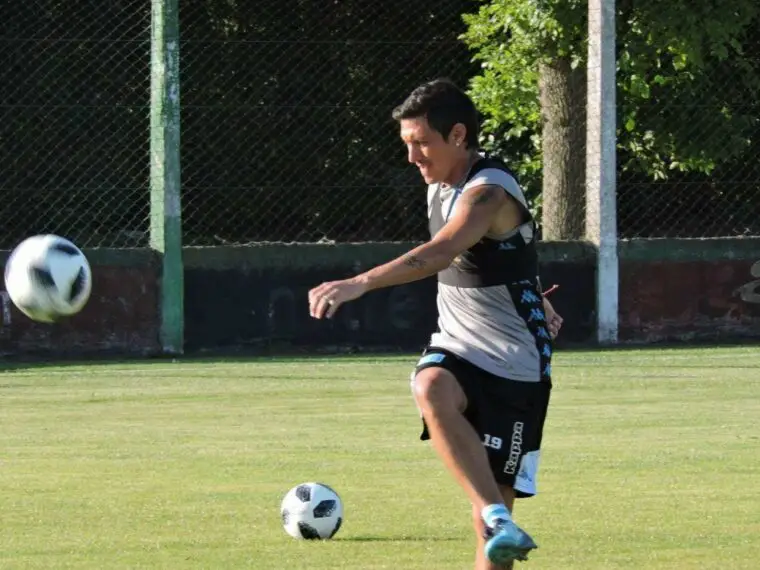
x=293 y=354
x=370 y=538
x=40 y=361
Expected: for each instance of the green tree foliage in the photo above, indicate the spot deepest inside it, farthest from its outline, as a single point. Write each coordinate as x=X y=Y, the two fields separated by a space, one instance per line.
x=286 y=128
x=286 y=117
x=685 y=80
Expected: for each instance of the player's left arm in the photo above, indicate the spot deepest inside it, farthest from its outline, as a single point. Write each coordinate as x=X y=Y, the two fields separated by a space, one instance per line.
x=553 y=318
x=472 y=218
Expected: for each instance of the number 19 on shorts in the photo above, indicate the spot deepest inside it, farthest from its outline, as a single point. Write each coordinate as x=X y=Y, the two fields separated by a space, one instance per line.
x=492 y=441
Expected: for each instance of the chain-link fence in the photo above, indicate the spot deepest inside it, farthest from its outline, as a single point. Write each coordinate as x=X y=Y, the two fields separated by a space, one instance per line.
x=74 y=123
x=689 y=142
x=287 y=134
x=698 y=172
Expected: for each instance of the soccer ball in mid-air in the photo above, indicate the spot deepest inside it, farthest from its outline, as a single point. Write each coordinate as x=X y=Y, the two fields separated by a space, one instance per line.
x=311 y=511
x=47 y=277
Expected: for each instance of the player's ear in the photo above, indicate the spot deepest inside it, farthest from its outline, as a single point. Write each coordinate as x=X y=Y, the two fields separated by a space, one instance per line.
x=458 y=134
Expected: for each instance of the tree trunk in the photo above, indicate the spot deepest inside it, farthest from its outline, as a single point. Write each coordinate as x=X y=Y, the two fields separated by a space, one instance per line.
x=563 y=112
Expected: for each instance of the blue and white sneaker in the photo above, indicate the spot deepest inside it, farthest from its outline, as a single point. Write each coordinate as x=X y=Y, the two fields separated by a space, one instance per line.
x=506 y=541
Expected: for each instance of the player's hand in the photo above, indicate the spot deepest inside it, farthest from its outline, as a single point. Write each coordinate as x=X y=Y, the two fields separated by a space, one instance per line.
x=553 y=319
x=325 y=299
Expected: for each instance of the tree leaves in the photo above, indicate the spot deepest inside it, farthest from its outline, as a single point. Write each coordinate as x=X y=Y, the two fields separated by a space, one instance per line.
x=682 y=72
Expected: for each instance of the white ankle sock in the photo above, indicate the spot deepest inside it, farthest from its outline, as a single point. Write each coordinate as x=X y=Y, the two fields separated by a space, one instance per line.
x=491 y=513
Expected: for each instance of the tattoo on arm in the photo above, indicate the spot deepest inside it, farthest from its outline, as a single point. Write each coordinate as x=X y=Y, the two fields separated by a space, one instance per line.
x=488 y=194
x=414 y=262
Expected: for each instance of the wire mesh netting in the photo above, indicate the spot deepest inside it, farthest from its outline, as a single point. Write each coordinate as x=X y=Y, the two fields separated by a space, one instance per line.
x=688 y=149
x=286 y=116
x=74 y=123
x=287 y=134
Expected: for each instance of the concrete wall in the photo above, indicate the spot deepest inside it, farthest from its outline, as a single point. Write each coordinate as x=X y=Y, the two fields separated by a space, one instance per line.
x=121 y=316
x=682 y=290
x=671 y=290
x=255 y=297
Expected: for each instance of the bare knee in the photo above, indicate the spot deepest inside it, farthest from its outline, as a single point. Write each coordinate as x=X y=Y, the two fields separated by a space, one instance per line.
x=436 y=389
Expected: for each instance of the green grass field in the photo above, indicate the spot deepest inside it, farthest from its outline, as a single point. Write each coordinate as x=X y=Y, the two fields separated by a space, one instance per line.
x=651 y=460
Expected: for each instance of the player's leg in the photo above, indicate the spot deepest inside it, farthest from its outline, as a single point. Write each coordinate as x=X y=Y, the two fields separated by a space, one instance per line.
x=513 y=415
x=481 y=562
x=442 y=402
x=444 y=389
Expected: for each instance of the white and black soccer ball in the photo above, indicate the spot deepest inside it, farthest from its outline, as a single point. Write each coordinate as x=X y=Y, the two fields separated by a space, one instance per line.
x=311 y=511
x=47 y=277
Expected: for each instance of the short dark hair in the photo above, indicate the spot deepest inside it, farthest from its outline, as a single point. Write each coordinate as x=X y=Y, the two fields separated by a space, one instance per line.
x=444 y=105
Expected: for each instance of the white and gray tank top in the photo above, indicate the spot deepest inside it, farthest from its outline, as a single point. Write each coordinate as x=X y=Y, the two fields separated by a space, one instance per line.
x=490 y=309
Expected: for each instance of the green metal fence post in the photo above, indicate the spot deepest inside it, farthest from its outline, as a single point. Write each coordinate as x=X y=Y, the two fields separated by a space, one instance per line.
x=165 y=205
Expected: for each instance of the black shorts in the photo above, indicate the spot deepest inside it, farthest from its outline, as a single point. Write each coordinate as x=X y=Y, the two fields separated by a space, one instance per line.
x=508 y=415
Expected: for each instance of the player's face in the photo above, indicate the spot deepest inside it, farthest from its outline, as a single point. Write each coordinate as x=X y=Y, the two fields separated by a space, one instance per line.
x=434 y=156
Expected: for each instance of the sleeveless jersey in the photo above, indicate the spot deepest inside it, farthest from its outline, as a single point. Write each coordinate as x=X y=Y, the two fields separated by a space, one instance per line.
x=490 y=308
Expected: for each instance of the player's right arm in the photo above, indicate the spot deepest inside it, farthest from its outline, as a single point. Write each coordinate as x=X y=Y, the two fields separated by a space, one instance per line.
x=471 y=221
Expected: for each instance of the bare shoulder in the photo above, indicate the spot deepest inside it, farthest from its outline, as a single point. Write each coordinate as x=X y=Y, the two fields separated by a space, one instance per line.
x=494 y=197
x=502 y=209
x=487 y=194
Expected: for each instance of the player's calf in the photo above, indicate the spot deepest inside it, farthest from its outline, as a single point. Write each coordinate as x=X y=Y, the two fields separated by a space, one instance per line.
x=506 y=542
x=441 y=401
x=481 y=562
x=500 y=540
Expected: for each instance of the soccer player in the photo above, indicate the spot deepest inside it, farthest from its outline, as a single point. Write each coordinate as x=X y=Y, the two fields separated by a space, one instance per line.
x=482 y=385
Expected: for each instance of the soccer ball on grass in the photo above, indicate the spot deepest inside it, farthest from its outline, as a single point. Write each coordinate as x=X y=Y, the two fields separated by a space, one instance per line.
x=311 y=511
